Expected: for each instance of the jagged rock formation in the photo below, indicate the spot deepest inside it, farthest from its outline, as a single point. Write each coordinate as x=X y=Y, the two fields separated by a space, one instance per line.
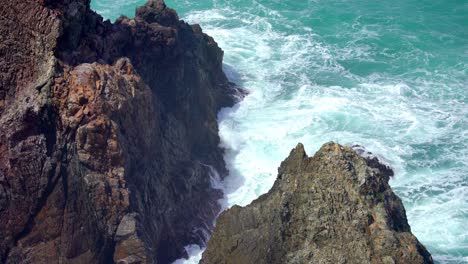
x=335 y=207
x=106 y=133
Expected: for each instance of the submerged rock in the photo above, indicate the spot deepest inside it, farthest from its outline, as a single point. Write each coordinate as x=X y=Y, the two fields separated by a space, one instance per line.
x=104 y=130
x=334 y=207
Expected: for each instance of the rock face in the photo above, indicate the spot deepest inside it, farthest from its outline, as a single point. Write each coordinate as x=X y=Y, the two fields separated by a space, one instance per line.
x=335 y=207
x=108 y=133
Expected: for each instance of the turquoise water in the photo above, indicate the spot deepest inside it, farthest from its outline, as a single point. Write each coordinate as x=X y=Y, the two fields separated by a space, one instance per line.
x=389 y=75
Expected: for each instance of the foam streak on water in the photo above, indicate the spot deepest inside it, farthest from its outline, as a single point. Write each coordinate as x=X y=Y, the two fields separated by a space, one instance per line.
x=389 y=75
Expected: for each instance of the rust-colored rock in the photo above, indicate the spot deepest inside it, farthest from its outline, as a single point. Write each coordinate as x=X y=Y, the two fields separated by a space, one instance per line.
x=103 y=132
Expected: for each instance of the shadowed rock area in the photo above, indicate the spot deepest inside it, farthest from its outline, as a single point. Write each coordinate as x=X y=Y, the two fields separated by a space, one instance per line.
x=106 y=131
x=334 y=207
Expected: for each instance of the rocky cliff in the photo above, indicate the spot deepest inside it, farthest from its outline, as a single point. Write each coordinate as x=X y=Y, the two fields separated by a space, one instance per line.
x=108 y=133
x=335 y=207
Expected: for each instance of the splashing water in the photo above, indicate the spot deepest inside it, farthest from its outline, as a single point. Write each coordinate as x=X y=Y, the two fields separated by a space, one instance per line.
x=389 y=75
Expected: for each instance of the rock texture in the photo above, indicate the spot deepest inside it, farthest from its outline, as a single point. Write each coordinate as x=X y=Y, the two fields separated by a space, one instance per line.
x=335 y=207
x=108 y=133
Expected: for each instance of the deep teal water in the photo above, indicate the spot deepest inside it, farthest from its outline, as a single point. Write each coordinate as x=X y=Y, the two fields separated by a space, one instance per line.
x=389 y=75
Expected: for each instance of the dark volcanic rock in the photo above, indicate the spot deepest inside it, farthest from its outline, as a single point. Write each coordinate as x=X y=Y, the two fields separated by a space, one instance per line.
x=104 y=133
x=335 y=207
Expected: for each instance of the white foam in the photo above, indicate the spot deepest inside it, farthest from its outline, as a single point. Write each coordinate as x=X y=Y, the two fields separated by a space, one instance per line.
x=302 y=89
x=389 y=116
x=306 y=89
x=195 y=254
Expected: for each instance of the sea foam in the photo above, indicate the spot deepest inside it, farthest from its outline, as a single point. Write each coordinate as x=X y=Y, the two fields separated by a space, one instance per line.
x=390 y=76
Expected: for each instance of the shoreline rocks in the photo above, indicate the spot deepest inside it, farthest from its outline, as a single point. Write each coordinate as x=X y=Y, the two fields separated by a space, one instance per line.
x=103 y=130
x=334 y=207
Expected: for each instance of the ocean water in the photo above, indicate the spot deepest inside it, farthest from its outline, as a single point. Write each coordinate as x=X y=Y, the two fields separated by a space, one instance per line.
x=389 y=75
